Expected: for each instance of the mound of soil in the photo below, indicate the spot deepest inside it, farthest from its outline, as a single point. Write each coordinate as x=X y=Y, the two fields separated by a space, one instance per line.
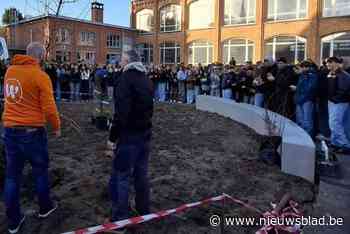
x=195 y=155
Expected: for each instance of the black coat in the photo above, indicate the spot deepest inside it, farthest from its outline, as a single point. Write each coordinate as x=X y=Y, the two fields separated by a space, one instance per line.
x=133 y=105
x=339 y=88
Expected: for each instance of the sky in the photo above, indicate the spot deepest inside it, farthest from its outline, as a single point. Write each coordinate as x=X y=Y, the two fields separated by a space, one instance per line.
x=116 y=11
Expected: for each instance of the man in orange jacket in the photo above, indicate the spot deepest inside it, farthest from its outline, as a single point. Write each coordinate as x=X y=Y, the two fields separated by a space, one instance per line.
x=29 y=104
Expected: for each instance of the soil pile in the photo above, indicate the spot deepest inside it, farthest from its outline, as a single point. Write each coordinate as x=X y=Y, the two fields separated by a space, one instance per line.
x=195 y=155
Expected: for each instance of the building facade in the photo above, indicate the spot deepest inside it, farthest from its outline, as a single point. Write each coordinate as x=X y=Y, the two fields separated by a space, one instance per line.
x=206 y=31
x=72 y=40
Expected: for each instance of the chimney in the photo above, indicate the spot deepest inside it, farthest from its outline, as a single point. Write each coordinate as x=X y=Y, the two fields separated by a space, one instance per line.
x=97 y=12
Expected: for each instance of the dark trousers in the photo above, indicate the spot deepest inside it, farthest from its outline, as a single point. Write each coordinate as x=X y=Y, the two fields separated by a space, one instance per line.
x=323 y=117
x=131 y=160
x=22 y=146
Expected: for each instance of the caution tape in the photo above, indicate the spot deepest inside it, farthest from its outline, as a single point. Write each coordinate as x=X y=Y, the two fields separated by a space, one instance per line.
x=291 y=210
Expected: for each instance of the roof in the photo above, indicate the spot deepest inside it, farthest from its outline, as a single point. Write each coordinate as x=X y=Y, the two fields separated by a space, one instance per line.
x=40 y=17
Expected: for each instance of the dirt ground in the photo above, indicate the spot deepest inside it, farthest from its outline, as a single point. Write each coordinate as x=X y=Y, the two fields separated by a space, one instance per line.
x=195 y=155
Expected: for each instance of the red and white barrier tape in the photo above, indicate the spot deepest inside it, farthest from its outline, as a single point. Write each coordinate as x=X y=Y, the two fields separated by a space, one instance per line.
x=145 y=218
x=290 y=211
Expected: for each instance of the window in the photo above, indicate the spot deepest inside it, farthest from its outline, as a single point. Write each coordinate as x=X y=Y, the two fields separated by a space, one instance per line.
x=170 y=18
x=336 y=8
x=169 y=53
x=146 y=52
x=200 y=52
x=63 y=56
x=239 y=12
x=113 y=58
x=113 y=40
x=87 y=56
x=291 y=48
x=287 y=10
x=239 y=49
x=201 y=14
x=87 y=38
x=336 y=45
x=145 y=20
x=62 y=36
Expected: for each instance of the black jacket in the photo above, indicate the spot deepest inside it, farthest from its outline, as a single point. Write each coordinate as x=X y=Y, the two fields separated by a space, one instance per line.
x=339 y=87
x=133 y=104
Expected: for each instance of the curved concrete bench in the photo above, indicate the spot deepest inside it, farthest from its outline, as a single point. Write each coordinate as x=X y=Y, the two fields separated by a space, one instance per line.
x=297 y=150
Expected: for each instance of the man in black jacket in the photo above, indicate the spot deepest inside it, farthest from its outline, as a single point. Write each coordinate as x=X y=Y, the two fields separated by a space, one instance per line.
x=339 y=99
x=131 y=130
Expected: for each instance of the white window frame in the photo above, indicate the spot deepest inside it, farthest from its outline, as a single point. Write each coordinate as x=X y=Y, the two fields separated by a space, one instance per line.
x=176 y=47
x=297 y=39
x=274 y=16
x=87 y=38
x=144 y=12
x=208 y=46
x=150 y=49
x=333 y=9
x=163 y=25
x=210 y=11
x=331 y=39
x=113 y=40
x=247 y=18
x=247 y=44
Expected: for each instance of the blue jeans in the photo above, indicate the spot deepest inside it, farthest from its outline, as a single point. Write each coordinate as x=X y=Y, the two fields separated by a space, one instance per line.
x=162 y=91
x=337 y=117
x=131 y=160
x=227 y=93
x=75 y=91
x=156 y=91
x=259 y=100
x=58 y=90
x=190 y=96
x=305 y=117
x=22 y=146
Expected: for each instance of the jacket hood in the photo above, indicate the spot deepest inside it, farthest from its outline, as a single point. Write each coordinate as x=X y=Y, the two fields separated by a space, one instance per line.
x=136 y=66
x=24 y=60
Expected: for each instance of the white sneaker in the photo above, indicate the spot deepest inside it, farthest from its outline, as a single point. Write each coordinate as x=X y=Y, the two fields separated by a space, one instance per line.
x=16 y=229
x=45 y=215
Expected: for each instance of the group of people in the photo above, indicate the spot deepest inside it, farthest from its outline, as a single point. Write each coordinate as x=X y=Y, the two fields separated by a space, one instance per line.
x=77 y=82
x=317 y=98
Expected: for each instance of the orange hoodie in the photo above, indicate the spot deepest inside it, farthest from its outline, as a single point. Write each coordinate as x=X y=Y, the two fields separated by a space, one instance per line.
x=28 y=93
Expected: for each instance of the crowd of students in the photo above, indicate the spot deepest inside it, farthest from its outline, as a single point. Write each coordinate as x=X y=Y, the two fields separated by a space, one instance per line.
x=317 y=98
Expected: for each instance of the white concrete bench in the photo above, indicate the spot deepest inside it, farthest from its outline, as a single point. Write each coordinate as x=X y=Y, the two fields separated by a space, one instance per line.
x=298 y=149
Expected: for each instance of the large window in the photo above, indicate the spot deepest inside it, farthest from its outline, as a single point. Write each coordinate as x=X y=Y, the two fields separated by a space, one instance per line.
x=113 y=58
x=239 y=49
x=239 y=12
x=87 y=38
x=146 y=52
x=336 y=45
x=145 y=20
x=287 y=10
x=201 y=14
x=291 y=48
x=170 y=18
x=200 y=52
x=336 y=8
x=87 y=56
x=62 y=36
x=63 y=56
x=169 y=53
x=113 y=40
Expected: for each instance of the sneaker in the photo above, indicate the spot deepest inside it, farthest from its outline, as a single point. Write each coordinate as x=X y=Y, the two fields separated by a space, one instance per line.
x=46 y=214
x=15 y=229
